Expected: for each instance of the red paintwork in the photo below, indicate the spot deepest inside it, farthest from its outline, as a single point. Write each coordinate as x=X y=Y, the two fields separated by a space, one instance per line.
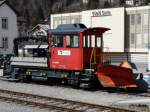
x=87 y=56
x=66 y=62
x=78 y=58
x=66 y=58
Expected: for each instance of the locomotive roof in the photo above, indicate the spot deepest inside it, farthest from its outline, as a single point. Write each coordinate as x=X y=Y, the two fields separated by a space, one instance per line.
x=68 y=28
x=74 y=28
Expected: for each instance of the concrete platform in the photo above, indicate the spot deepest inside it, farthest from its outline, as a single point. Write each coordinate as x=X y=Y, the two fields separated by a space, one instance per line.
x=140 y=104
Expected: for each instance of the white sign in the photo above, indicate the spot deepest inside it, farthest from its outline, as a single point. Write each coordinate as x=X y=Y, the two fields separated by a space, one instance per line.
x=100 y=13
x=64 y=52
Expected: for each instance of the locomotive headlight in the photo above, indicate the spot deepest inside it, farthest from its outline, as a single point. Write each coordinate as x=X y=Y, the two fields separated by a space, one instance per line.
x=28 y=73
x=41 y=74
x=44 y=74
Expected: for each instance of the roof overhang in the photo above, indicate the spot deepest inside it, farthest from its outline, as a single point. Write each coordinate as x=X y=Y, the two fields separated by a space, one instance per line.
x=7 y=2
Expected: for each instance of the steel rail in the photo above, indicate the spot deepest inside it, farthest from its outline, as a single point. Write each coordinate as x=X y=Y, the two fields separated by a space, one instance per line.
x=50 y=103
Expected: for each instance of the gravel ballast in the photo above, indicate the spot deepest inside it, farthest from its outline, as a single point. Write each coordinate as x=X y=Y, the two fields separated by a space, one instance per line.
x=94 y=97
x=12 y=107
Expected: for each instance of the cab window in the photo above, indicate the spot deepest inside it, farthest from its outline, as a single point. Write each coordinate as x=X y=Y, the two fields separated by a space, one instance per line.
x=72 y=41
x=57 y=41
x=91 y=41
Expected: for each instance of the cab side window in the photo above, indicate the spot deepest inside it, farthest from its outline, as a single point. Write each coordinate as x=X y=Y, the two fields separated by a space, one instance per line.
x=57 y=41
x=72 y=41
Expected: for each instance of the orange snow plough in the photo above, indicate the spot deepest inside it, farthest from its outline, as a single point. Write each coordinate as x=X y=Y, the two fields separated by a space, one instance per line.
x=116 y=76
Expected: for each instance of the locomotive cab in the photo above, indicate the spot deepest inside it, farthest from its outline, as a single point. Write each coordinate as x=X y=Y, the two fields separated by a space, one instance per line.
x=76 y=47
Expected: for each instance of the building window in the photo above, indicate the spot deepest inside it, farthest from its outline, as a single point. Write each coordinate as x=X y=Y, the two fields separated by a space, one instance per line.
x=55 y=24
x=85 y=1
x=5 y=23
x=5 y=42
x=129 y=2
x=68 y=20
x=76 y=19
x=138 y=18
x=146 y=19
x=64 y=21
x=139 y=40
x=145 y=40
x=132 y=40
x=132 y=19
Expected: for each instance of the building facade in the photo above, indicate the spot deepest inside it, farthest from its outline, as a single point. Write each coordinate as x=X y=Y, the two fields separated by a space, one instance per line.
x=8 y=27
x=137 y=29
x=129 y=36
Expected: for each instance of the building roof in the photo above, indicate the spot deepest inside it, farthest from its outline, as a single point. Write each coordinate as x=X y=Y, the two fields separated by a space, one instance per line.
x=43 y=26
x=40 y=29
x=6 y=2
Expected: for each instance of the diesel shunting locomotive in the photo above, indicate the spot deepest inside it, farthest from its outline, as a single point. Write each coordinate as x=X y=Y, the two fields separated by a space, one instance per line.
x=73 y=54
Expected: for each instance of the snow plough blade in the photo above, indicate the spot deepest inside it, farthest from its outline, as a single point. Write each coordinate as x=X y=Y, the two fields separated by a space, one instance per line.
x=115 y=76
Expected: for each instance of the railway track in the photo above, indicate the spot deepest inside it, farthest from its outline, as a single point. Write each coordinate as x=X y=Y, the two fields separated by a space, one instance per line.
x=54 y=104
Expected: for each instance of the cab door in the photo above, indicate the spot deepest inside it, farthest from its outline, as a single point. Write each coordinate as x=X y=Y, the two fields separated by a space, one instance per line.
x=92 y=50
x=56 y=46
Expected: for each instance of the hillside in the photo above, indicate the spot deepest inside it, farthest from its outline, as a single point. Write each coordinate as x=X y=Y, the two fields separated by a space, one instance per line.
x=35 y=11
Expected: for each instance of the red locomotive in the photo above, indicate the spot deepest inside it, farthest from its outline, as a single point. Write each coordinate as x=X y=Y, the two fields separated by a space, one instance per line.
x=74 y=54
